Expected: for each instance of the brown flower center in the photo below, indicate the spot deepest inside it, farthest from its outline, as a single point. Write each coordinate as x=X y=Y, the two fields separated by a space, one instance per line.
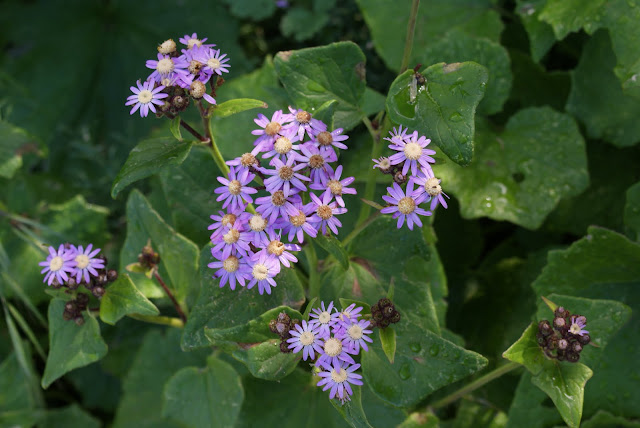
x=316 y=161
x=194 y=66
x=247 y=160
x=272 y=128
x=335 y=186
x=235 y=187
x=325 y=138
x=275 y=247
x=278 y=198
x=231 y=237
x=303 y=117
x=324 y=212
x=298 y=220
x=285 y=172
x=228 y=220
x=432 y=186
x=406 y=205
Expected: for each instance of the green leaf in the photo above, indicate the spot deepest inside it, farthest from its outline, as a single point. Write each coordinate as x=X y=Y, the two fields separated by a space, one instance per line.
x=444 y=108
x=149 y=157
x=123 y=298
x=372 y=102
x=334 y=247
x=352 y=410
x=178 y=256
x=69 y=416
x=314 y=76
x=266 y=361
x=77 y=221
x=387 y=22
x=18 y=404
x=604 y=319
x=421 y=420
x=604 y=419
x=567 y=16
x=256 y=10
x=632 y=210
x=237 y=105
x=528 y=409
x=458 y=46
x=326 y=113
x=174 y=127
x=388 y=342
x=563 y=382
x=307 y=311
x=345 y=303
x=70 y=345
x=301 y=24
x=521 y=174
x=242 y=315
x=209 y=397
x=541 y=36
x=15 y=142
x=597 y=99
x=424 y=363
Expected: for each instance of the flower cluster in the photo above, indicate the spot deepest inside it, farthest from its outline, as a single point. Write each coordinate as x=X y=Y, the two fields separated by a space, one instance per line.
x=248 y=244
x=411 y=165
x=565 y=339
x=332 y=338
x=384 y=313
x=179 y=77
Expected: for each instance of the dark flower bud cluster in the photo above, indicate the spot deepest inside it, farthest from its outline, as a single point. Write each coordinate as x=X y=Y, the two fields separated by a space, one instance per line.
x=282 y=326
x=74 y=307
x=565 y=337
x=384 y=313
x=148 y=258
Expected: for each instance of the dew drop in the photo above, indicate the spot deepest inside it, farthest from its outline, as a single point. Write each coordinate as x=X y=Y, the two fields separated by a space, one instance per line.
x=455 y=117
x=434 y=350
x=405 y=372
x=415 y=347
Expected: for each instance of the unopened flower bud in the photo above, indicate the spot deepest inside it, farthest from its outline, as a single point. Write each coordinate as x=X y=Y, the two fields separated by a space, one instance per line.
x=395 y=318
x=563 y=344
x=112 y=275
x=72 y=284
x=572 y=357
x=284 y=347
x=388 y=311
x=79 y=320
x=98 y=291
x=399 y=178
x=544 y=327
x=584 y=339
x=284 y=318
x=67 y=316
x=198 y=89
x=561 y=312
x=576 y=347
x=559 y=322
x=272 y=326
x=167 y=47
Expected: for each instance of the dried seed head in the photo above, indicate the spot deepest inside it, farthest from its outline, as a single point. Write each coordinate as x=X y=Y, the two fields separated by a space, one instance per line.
x=194 y=67
x=248 y=160
x=278 y=198
x=285 y=173
x=179 y=102
x=167 y=47
x=316 y=161
x=235 y=187
x=298 y=220
x=325 y=138
x=197 y=89
x=303 y=117
x=432 y=186
x=335 y=187
x=324 y=212
x=276 y=248
x=228 y=220
x=406 y=205
x=231 y=264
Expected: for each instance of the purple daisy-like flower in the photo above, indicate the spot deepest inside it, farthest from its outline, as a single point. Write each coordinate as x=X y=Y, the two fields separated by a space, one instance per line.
x=213 y=62
x=350 y=314
x=192 y=41
x=284 y=176
x=231 y=270
x=221 y=221
x=58 y=265
x=339 y=377
x=86 y=263
x=302 y=121
x=335 y=187
x=235 y=190
x=578 y=323
x=307 y=339
x=429 y=184
x=334 y=351
x=384 y=164
x=280 y=250
x=233 y=241
x=299 y=224
x=270 y=129
x=405 y=206
x=278 y=205
x=327 y=142
x=355 y=334
x=325 y=213
x=317 y=162
x=398 y=134
x=144 y=97
x=412 y=152
x=283 y=147
x=167 y=67
x=324 y=318
x=264 y=268
x=258 y=228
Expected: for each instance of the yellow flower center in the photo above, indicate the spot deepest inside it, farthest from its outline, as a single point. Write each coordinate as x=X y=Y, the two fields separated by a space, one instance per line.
x=316 y=161
x=575 y=329
x=257 y=223
x=235 y=187
x=324 y=317
x=193 y=42
x=247 y=160
x=285 y=173
x=406 y=205
x=432 y=186
x=283 y=145
x=260 y=272
x=56 y=263
x=306 y=338
x=231 y=237
x=82 y=261
x=303 y=117
x=278 y=198
x=324 y=212
x=339 y=376
x=228 y=219
x=275 y=247
x=355 y=332
x=213 y=63
x=412 y=151
x=231 y=264
x=165 y=66
x=145 y=96
x=332 y=347
x=336 y=187
x=298 y=220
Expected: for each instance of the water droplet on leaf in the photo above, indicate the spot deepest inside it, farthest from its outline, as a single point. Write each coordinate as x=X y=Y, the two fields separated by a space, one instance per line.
x=405 y=372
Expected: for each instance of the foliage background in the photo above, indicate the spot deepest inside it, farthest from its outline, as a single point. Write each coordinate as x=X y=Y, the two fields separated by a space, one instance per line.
x=554 y=152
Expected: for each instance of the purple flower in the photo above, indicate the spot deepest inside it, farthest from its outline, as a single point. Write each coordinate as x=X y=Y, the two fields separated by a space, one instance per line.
x=302 y=121
x=324 y=318
x=333 y=186
x=285 y=175
x=230 y=270
x=221 y=221
x=307 y=339
x=578 y=323
x=233 y=241
x=297 y=224
x=326 y=141
x=236 y=190
x=271 y=129
x=245 y=162
x=280 y=250
x=263 y=268
x=86 y=263
x=398 y=134
x=405 y=205
x=167 y=67
x=334 y=351
x=144 y=97
x=282 y=4
x=58 y=265
x=349 y=314
x=384 y=164
x=278 y=205
x=192 y=41
x=283 y=147
x=428 y=183
x=325 y=212
x=412 y=152
x=213 y=62
x=317 y=162
x=355 y=334
x=338 y=378
x=258 y=228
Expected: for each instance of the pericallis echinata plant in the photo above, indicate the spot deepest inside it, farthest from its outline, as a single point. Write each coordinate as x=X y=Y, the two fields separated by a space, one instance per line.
x=290 y=267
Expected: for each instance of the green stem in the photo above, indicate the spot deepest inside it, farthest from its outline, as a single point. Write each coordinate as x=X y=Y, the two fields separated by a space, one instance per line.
x=215 y=152
x=481 y=381
x=411 y=26
x=370 y=186
x=359 y=229
x=314 y=279
x=158 y=319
